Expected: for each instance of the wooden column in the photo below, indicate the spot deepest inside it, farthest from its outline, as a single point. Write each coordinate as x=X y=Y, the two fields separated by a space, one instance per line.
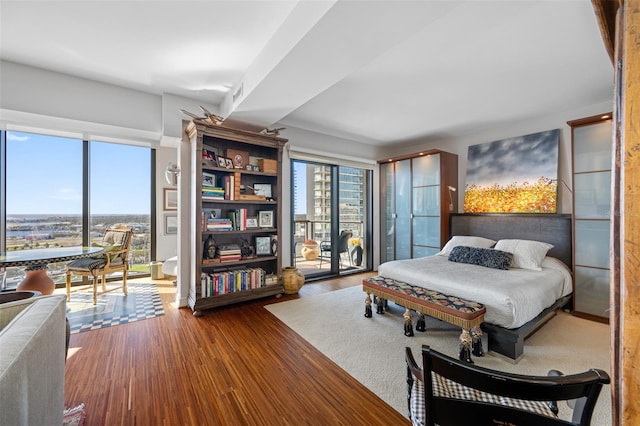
x=625 y=294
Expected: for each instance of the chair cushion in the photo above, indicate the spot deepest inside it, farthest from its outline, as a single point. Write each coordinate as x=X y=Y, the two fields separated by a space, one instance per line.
x=444 y=387
x=416 y=407
x=87 y=264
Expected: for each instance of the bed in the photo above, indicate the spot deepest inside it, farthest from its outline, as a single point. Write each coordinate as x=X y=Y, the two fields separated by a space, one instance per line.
x=518 y=301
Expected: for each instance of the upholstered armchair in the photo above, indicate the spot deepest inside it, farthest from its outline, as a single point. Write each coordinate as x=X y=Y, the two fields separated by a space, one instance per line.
x=115 y=257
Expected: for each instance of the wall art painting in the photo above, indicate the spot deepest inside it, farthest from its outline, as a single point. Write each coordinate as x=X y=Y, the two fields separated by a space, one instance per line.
x=515 y=175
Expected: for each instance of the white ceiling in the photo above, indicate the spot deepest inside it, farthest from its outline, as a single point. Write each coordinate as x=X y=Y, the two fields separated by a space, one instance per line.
x=378 y=72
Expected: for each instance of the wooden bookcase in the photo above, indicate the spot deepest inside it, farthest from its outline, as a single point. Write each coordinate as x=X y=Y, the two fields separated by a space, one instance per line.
x=218 y=193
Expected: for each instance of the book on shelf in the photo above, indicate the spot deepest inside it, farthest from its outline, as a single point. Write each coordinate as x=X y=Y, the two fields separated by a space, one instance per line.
x=229 y=187
x=230 y=257
x=229 y=249
x=238 y=218
x=219 y=225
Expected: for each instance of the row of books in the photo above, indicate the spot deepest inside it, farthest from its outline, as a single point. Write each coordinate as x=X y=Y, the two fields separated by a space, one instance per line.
x=236 y=220
x=232 y=281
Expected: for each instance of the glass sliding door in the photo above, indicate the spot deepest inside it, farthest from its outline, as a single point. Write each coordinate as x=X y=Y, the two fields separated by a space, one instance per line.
x=331 y=218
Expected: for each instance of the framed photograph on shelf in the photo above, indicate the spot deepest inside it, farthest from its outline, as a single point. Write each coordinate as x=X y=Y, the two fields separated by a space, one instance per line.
x=170 y=224
x=265 y=219
x=208 y=158
x=170 y=199
x=252 y=222
x=208 y=179
x=222 y=161
x=228 y=163
x=263 y=246
x=262 y=189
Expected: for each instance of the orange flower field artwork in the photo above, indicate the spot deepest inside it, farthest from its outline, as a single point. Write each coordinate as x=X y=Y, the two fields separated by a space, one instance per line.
x=516 y=175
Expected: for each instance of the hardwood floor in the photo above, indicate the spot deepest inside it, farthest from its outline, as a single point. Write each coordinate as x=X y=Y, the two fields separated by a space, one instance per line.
x=236 y=365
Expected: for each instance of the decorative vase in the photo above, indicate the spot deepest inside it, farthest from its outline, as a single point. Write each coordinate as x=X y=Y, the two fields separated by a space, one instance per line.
x=292 y=279
x=356 y=255
x=310 y=251
x=37 y=279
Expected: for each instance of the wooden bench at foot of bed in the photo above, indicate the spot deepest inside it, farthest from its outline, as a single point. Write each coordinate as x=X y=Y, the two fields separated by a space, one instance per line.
x=465 y=314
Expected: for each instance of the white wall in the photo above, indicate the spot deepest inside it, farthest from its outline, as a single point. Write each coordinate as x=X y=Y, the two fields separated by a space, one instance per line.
x=166 y=245
x=460 y=146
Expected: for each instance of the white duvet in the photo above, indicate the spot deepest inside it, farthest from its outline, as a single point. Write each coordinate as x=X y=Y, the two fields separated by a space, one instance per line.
x=512 y=297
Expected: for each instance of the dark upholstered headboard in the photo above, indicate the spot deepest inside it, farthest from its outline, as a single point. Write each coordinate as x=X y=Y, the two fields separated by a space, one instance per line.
x=551 y=228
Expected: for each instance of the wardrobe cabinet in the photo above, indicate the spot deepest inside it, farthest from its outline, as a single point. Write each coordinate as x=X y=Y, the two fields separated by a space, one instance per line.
x=416 y=201
x=592 y=156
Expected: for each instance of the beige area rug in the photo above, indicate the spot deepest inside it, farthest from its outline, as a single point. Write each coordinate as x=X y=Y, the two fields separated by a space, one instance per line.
x=372 y=349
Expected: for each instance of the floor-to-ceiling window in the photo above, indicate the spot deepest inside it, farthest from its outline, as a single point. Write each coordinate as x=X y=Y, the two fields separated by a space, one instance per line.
x=63 y=192
x=331 y=208
x=120 y=194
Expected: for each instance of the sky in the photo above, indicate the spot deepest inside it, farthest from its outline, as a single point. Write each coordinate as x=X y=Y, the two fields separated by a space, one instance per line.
x=44 y=176
x=519 y=159
x=300 y=190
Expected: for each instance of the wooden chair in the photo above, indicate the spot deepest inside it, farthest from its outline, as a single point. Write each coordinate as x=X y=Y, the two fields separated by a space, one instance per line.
x=460 y=393
x=117 y=244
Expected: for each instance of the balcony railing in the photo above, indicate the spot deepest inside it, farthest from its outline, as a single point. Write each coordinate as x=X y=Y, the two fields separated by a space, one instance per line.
x=320 y=232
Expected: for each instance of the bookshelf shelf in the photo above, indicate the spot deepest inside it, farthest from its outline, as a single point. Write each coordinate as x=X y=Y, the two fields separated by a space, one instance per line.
x=223 y=217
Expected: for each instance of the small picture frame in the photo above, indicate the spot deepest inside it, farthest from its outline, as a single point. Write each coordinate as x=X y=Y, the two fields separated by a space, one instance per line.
x=228 y=163
x=248 y=167
x=208 y=158
x=208 y=179
x=170 y=199
x=170 y=224
x=263 y=246
x=256 y=168
x=222 y=161
x=252 y=222
x=265 y=219
x=262 y=189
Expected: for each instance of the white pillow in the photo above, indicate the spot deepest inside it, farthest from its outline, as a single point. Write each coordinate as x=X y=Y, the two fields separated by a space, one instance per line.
x=527 y=254
x=462 y=240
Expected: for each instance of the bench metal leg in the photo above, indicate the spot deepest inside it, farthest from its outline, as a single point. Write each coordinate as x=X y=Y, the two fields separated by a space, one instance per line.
x=367 y=306
x=465 y=346
x=421 y=325
x=408 y=326
x=476 y=341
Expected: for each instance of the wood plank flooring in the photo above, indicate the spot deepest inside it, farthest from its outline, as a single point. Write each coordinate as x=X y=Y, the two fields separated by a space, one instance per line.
x=235 y=365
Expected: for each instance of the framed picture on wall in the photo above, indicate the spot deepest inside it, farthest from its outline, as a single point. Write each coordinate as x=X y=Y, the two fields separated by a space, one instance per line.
x=170 y=199
x=170 y=224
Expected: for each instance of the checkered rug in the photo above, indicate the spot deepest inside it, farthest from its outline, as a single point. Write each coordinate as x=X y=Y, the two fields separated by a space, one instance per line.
x=113 y=308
